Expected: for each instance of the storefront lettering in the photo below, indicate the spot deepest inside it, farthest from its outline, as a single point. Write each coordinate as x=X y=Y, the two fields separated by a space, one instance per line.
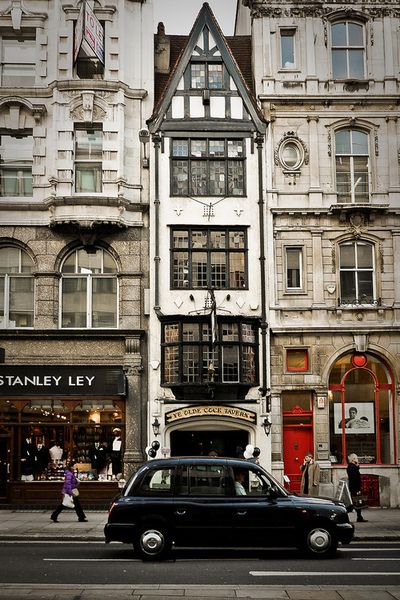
x=45 y=380
x=201 y=411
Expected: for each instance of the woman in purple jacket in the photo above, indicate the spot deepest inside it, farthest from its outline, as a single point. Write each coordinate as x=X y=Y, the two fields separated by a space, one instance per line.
x=70 y=483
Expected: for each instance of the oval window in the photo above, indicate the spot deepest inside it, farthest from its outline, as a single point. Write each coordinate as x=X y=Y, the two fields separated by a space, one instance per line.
x=291 y=155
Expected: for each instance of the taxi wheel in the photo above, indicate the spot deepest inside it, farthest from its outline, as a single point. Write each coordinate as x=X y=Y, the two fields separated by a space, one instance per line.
x=153 y=543
x=319 y=542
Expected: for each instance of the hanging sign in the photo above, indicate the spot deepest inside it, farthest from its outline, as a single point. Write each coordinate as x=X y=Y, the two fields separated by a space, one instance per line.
x=210 y=411
x=89 y=34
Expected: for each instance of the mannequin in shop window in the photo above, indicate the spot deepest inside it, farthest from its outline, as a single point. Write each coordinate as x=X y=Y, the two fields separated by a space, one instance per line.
x=56 y=453
x=28 y=459
x=42 y=460
x=98 y=458
x=116 y=454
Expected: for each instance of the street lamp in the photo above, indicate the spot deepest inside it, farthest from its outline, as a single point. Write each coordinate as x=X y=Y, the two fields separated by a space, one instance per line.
x=156 y=427
x=267 y=425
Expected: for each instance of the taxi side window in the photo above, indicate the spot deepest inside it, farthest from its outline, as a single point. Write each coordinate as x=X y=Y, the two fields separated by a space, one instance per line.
x=248 y=482
x=203 y=480
x=157 y=481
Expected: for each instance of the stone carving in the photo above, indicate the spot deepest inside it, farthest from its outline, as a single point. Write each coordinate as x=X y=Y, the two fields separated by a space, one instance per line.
x=373 y=9
x=357 y=223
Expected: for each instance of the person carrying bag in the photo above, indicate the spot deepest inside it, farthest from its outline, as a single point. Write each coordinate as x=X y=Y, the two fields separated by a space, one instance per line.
x=70 y=496
x=353 y=473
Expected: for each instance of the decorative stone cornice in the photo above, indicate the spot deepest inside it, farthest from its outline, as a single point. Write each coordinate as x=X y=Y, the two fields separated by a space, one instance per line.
x=374 y=9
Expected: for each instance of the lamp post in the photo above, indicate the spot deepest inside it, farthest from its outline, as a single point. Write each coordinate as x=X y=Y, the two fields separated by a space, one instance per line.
x=156 y=427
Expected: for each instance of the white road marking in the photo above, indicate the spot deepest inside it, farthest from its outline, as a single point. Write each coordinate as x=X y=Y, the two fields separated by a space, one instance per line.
x=91 y=559
x=385 y=559
x=316 y=573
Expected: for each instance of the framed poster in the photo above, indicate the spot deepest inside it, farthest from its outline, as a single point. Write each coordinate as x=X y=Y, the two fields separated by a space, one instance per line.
x=359 y=418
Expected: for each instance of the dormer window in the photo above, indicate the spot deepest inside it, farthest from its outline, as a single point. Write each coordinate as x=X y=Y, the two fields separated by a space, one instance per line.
x=206 y=76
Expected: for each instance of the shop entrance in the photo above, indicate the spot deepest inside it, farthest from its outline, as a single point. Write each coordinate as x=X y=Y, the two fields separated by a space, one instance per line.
x=5 y=466
x=208 y=443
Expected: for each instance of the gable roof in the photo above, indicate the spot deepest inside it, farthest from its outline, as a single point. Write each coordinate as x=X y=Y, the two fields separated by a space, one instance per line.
x=235 y=52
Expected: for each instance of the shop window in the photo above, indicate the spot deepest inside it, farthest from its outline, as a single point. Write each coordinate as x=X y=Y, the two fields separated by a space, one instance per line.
x=294 y=269
x=207 y=167
x=361 y=411
x=16 y=158
x=89 y=290
x=209 y=258
x=192 y=354
x=348 y=50
x=51 y=433
x=356 y=273
x=352 y=166
x=288 y=57
x=88 y=159
x=16 y=288
x=296 y=360
x=18 y=64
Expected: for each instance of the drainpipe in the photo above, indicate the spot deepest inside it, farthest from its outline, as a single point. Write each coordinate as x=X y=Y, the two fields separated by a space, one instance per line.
x=264 y=324
x=157 y=144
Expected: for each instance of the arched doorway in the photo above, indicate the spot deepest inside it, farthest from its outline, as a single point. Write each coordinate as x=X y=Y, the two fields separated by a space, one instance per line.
x=194 y=442
x=361 y=412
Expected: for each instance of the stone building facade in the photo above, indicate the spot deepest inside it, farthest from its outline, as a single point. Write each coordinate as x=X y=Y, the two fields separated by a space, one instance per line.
x=73 y=241
x=327 y=76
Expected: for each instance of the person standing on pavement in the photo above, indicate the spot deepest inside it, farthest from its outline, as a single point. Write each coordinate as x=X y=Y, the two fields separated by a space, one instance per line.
x=310 y=476
x=70 y=487
x=353 y=473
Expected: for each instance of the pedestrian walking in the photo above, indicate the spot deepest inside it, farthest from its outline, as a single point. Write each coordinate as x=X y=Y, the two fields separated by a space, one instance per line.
x=353 y=473
x=310 y=476
x=69 y=488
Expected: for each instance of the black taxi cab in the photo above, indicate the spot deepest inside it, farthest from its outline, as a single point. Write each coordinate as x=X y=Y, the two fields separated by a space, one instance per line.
x=220 y=502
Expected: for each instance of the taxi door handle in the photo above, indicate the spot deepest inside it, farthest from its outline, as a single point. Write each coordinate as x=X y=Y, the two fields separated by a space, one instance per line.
x=180 y=512
x=241 y=513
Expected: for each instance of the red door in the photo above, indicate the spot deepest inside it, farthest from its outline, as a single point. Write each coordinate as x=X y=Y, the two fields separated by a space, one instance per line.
x=297 y=440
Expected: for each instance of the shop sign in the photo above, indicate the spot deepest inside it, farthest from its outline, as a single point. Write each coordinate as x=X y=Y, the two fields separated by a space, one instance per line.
x=212 y=410
x=61 y=381
x=89 y=34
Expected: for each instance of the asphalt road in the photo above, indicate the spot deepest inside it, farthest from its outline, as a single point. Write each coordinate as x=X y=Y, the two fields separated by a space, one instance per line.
x=96 y=563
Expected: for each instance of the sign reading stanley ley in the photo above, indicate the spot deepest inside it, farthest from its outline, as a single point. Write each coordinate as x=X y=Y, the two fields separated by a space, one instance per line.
x=67 y=381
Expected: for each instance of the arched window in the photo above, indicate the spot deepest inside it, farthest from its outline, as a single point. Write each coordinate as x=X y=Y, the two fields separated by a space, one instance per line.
x=361 y=410
x=16 y=288
x=352 y=165
x=348 y=50
x=89 y=290
x=356 y=265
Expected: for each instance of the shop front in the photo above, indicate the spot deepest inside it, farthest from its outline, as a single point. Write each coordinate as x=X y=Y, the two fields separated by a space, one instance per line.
x=209 y=430
x=53 y=415
x=356 y=413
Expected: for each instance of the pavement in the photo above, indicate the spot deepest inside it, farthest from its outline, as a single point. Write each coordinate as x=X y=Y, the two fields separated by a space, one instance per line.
x=35 y=525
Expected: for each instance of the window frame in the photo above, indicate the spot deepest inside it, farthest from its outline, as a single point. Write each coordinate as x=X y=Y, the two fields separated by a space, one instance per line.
x=23 y=36
x=95 y=165
x=306 y=357
x=288 y=32
x=207 y=63
x=356 y=270
x=7 y=289
x=348 y=48
x=89 y=292
x=190 y=160
x=209 y=250
x=300 y=251
x=19 y=166
x=351 y=193
x=205 y=350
